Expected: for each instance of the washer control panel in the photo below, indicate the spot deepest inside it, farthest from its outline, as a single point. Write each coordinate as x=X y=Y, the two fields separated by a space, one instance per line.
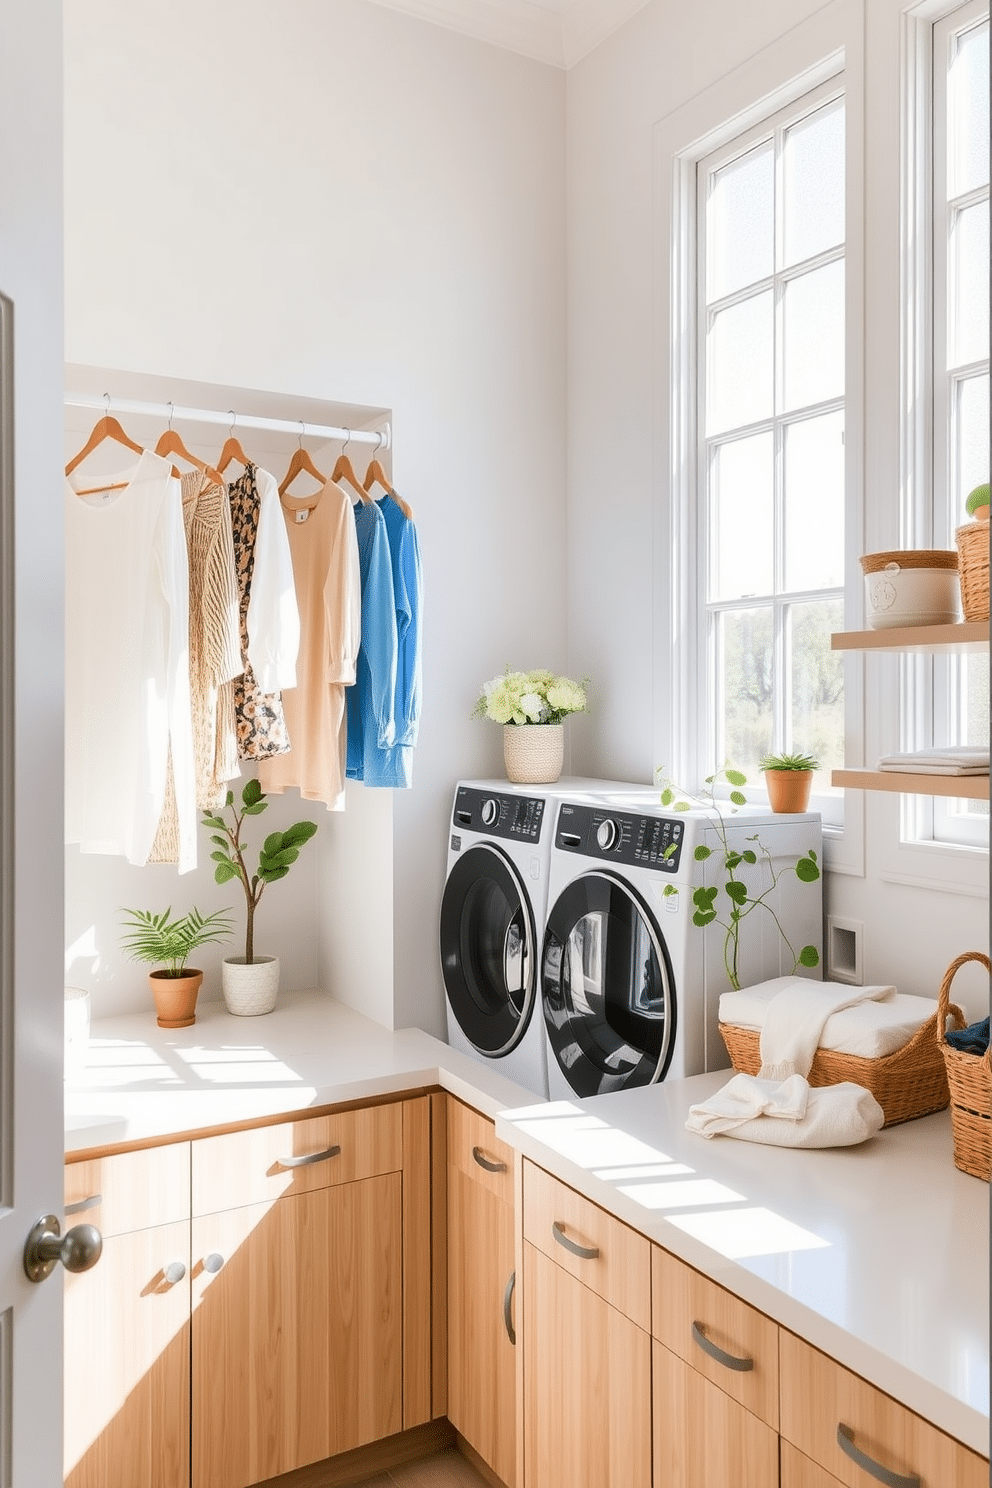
x=621 y=836
x=518 y=818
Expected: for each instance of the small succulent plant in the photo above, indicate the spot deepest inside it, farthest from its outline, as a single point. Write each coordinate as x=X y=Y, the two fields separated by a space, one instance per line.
x=977 y=504
x=789 y=762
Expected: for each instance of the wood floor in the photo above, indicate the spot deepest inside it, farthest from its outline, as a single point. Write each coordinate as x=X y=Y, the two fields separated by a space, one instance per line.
x=447 y=1469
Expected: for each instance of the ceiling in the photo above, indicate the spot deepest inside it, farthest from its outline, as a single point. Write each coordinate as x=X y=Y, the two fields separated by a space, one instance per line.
x=559 y=32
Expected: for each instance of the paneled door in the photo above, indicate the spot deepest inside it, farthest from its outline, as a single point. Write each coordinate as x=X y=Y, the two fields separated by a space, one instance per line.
x=31 y=746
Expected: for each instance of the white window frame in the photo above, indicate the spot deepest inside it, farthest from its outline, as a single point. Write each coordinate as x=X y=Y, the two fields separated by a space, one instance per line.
x=912 y=854
x=773 y=124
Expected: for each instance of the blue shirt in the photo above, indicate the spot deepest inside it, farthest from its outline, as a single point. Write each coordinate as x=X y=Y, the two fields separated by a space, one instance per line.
x=371 y=727
x=396 y=763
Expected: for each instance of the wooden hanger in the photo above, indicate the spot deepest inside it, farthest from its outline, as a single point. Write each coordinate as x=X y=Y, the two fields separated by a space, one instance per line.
x=344 y=470
x=106 y=427
x=232 y=449
x=375 y=473
x=301 y=461
x=170 y=443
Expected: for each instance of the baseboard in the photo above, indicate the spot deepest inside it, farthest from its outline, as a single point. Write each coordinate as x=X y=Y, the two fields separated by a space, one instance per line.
x=474 y=1460
x=378 y=1457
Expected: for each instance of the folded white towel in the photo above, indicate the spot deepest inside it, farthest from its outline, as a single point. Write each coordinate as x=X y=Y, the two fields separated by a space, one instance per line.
x=871 y=1030
x=794 y=1020
x=952 y=759
x=788 y=1113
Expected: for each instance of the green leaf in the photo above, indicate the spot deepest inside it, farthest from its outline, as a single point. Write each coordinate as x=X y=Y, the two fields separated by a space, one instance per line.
x=733 y=860
x=667 y=797
x=252 y=793
x=214 y=821
x=219 y=841
x=734 y=777
x=222 y=857
x=299 y=833
x=737 y=891
x=701 y=853
x=257 y=809
x=749 y=856
x=224 y=872
x=704 y=898
x=272 y=844
x=737 y=798
x=669 y=852
x=268 y=862
x=681 y=806
x=702 y=917
x=807 y=871
x=276 y=873
x=809 y=956
x=668 y=890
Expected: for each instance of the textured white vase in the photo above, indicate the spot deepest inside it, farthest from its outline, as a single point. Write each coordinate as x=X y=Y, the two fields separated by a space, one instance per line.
x=533 y=752
x=250 y=988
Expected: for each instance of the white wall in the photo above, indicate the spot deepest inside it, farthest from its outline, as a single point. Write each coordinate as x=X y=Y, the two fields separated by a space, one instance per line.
x=621 y=628
x=340 y=202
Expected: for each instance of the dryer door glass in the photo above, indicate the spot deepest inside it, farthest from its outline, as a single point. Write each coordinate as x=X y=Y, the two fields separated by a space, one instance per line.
x=607 y=987
x=488 y=954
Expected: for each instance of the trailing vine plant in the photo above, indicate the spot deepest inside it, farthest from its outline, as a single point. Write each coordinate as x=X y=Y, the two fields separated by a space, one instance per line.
x=739 y=901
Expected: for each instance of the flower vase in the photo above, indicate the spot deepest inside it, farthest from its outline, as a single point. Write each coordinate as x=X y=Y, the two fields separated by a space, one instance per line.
x=250 y=987
x=533 y=752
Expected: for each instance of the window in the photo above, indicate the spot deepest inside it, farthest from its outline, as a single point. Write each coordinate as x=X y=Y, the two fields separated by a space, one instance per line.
x=770 y=278
x=956 y=707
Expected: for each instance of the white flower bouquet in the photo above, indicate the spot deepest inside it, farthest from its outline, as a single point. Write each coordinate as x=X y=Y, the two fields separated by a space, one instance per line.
x=530 y=697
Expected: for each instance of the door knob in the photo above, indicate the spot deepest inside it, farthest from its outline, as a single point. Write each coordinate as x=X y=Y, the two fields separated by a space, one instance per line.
x=78 y=1249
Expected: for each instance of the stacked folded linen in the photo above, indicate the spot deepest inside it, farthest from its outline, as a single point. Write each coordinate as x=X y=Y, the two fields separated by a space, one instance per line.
x=953 y=759
x=788 y=1113
x=872 y=1028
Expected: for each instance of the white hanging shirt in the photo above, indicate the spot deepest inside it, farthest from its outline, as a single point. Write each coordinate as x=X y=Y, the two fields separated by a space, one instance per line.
x=127 y=694
x=273 y=612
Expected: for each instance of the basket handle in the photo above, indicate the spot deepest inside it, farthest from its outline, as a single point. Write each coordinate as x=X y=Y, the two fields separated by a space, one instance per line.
x=945 y=1006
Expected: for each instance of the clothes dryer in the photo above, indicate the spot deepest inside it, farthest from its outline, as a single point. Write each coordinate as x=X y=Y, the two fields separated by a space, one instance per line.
x=630 y=987
x=492 y=919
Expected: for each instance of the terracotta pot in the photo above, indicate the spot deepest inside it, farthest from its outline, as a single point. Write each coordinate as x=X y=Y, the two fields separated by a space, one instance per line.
x=533 y=752
x=788 y=790
x=175 y=997
x=250 y=987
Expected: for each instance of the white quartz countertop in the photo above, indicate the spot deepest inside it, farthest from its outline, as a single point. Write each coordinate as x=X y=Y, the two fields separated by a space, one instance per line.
x=877 y=1254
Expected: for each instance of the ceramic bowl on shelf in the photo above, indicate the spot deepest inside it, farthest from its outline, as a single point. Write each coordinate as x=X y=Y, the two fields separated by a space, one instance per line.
x=912 y=587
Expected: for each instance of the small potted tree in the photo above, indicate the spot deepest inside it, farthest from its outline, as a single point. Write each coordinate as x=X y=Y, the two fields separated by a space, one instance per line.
x=788 y=780
x=250 y=982
x=168 y=943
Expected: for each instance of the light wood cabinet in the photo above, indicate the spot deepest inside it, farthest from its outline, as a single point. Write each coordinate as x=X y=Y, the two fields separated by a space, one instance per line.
x=798 y=1472
x=126 y=1347
x=846 y=1426
x=480 y=1285
x=703 y=1438
x=587 y=1348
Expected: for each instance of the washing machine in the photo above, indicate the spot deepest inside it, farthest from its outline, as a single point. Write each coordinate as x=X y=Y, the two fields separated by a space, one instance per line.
x=492 y=919
x=629 y=986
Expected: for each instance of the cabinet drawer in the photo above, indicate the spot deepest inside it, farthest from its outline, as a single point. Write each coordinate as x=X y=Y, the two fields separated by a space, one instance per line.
x=594 y=1247
x=475 y=1149
x=702 y=1439
x=799 y=1472
x=822 y=1401
x=129 y=1190
x=702 y=1323
x=266 y=1162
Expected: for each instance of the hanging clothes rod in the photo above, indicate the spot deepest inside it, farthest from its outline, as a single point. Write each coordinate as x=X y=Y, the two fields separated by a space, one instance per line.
x=235 y=421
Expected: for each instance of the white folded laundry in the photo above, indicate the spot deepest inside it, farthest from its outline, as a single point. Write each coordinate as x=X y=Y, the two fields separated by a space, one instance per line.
x=756 y=1110
x=794 y=1020
x=870 y=1030
x=952 y=759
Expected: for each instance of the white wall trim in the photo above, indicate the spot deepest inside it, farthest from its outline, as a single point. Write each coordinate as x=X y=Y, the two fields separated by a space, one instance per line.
x=559 y=32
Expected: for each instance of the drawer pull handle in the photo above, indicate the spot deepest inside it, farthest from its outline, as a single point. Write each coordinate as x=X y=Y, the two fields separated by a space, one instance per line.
x=845 y=1440
x=507 y=1314
x=213 y=1262
x=81 y=1205
x=174 y=1272
x=729 y=1361
x=307 y=1158
x=584 y=1252
x=484 y=1162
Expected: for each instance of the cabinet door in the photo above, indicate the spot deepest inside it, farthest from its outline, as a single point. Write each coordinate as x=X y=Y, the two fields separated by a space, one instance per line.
x=799 y=1472
x=481 y=1381
x=297 y=1335
x=127 y=1364
x=702 y=1438
x=587 y=1385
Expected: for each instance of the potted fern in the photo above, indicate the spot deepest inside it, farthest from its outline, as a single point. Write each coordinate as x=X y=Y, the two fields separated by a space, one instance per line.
x=251 y=983
x=788 y=780
x=168 y=944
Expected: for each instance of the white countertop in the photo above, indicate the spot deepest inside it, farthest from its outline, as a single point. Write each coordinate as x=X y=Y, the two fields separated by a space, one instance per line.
x=877 y=1254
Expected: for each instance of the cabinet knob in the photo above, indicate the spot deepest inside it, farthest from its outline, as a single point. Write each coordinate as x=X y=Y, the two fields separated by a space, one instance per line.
x=213 y=1261
x=174 y=1272
x=78 y=1249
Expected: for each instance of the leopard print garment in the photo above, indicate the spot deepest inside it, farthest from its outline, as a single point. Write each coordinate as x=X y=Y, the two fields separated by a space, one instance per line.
x=260 y=723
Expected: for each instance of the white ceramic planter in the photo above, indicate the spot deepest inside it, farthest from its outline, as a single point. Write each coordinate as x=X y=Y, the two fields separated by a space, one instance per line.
x=250 y=989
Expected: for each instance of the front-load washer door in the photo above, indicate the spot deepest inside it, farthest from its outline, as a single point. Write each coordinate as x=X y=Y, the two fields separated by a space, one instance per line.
x=607 y=987
x=488 y=949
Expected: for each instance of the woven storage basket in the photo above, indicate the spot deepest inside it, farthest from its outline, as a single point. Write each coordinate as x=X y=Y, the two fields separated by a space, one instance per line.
x=970 y=1079
x=906 y=1084
x=533 y=752
x=973 y=569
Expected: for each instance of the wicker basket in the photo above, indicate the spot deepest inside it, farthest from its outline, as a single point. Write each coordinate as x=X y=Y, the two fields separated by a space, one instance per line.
x=973 y=569
x=906 y=1084
x=970 y=1079
x=533 y=752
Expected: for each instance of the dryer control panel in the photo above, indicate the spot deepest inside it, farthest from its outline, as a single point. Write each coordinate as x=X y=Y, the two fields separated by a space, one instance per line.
x=518 y=818
x=621 y=836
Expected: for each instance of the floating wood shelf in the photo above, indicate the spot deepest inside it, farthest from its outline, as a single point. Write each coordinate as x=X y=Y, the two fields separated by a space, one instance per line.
x=967 y=635
x=966 y=787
